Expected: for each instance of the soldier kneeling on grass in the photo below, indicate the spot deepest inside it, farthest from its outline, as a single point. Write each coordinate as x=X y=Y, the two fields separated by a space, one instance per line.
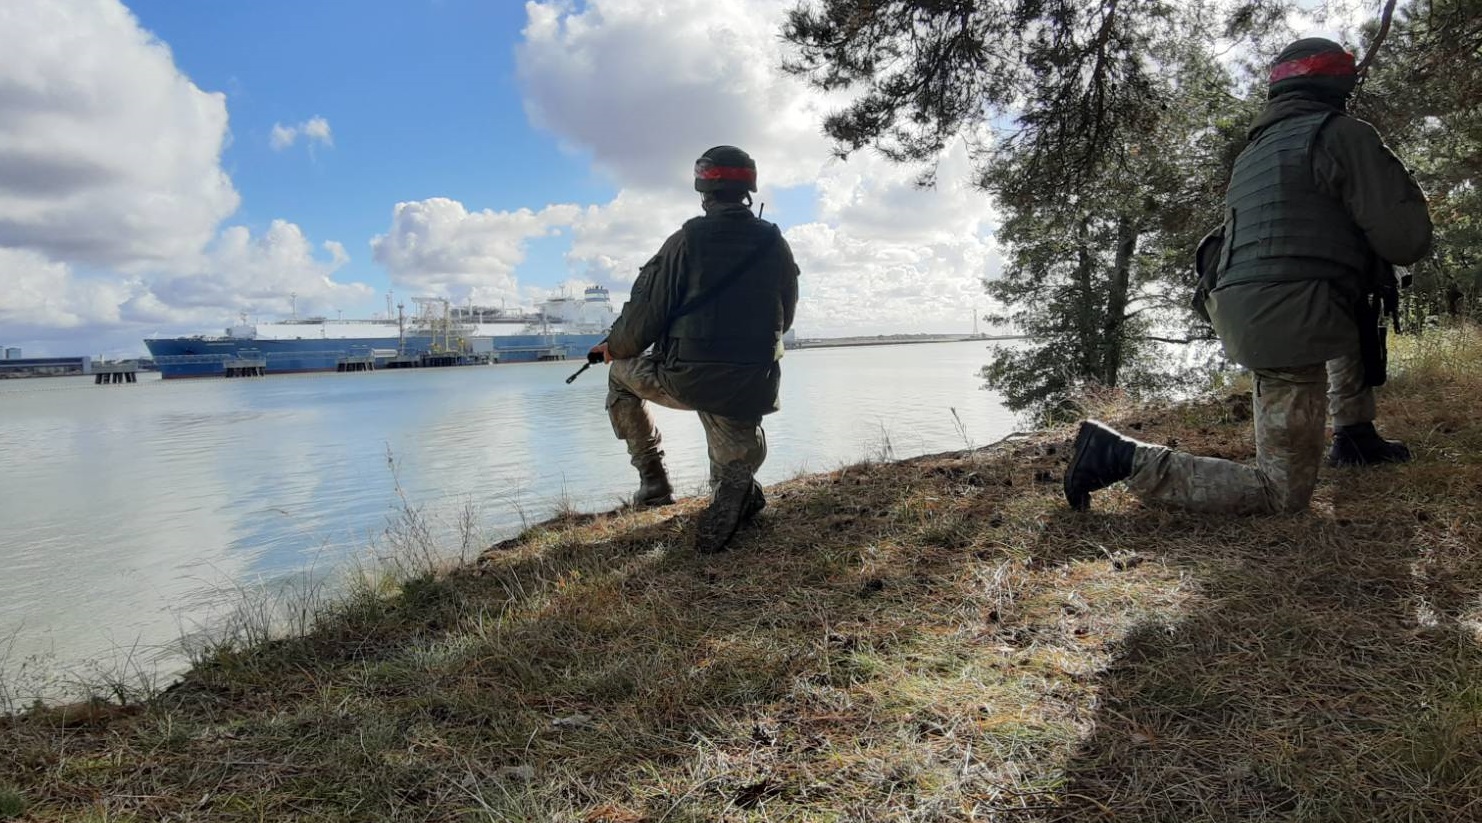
x=714 y=304
x=1318 y=213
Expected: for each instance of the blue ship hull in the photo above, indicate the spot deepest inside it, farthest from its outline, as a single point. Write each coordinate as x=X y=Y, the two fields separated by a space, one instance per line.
x=207 y=357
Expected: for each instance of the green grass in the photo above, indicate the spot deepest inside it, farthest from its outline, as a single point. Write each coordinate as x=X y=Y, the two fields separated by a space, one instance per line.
x=937 y=639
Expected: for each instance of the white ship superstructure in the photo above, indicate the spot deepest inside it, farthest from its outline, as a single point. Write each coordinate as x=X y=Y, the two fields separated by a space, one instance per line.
x=560 y=328
x=592 y=313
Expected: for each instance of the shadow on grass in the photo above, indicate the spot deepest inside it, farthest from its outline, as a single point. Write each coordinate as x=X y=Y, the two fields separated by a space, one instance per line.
x=1331 y=668
x=593 y=662
x=938 y=640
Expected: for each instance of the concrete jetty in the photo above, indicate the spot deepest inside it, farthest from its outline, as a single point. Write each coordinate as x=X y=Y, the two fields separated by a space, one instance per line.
x=107 y=374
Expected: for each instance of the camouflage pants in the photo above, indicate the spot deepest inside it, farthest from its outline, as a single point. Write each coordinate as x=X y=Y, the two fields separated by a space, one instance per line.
x=1349 y=399
x=631 y=382
x=1290 y=421
x=1290 y=441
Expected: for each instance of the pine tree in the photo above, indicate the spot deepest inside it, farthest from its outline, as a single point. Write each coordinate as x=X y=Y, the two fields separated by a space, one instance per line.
x=1424 y=93
x=1105 y=132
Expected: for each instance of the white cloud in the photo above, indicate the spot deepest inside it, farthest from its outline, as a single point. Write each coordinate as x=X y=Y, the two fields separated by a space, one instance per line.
x=314 y=130
x=645 y=86
x=611 y=242
x=437 y=246
x=40 y=294
x=282 y=136
x=109 y=156
x=112 y=191
x=49 y=302
x=240 y=272
x=875 y=198
x=854 y=284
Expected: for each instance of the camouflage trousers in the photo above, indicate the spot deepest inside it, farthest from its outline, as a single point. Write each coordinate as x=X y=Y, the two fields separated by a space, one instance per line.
x=631 y=382
x=1350 y=401
x=1290 y=421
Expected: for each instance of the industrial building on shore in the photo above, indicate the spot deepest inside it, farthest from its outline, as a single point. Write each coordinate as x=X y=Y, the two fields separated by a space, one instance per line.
x=12 y=365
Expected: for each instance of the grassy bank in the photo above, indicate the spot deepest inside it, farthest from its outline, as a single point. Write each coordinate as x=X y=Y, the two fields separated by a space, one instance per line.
x=939 y=639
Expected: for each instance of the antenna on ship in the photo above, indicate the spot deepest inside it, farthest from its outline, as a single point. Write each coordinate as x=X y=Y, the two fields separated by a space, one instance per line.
x=293 y=304
x=388 y=304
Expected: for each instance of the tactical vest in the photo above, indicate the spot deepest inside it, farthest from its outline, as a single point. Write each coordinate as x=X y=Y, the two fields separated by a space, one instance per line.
x=744 y=323
x=1279 y=227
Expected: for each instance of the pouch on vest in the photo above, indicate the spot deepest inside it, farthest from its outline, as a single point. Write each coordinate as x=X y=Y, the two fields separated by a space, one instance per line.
x=1209 y=258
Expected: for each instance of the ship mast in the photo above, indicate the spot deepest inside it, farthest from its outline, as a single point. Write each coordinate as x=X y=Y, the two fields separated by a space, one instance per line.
x=401 y=331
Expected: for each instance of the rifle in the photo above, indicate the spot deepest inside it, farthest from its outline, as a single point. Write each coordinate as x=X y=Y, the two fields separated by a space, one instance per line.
x=1381 y=300
x=593 y=358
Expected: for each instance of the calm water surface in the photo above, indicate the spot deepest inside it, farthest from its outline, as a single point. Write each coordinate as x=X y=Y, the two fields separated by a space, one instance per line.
x=126 y=511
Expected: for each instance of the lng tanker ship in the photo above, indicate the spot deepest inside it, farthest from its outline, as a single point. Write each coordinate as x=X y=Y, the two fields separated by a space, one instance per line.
x=563 y=327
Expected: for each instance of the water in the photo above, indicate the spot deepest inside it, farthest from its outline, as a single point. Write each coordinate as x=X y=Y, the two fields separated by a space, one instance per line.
x=127 y=511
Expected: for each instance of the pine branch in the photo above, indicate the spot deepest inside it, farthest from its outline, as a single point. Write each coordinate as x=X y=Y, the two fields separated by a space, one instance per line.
x=1180 y=341
x=1385 y=20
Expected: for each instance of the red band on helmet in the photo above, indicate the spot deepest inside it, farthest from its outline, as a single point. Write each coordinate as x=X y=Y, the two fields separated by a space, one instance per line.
x=745 y=175
x=1327 y=64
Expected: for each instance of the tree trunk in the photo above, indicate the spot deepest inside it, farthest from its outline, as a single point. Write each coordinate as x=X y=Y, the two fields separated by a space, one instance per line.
x=1113 y=339
x=1085 y=302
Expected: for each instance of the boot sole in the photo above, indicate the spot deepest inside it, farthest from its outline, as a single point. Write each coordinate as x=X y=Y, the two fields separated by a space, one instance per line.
x=1353 y=458
x=655 y=503
x=719 y=523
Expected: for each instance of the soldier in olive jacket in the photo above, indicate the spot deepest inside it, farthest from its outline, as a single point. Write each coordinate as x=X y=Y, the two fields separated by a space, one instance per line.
x=713 y=304
x=1317 y=209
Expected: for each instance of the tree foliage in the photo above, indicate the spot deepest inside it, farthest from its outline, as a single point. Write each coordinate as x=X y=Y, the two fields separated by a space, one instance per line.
x=1105 y=132
x=1425 y=96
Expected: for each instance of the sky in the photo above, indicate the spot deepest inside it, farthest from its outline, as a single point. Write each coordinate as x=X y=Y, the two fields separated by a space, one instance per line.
x=167 y=167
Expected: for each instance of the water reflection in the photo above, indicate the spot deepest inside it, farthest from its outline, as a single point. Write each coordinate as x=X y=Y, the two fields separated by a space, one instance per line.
x=126 y=511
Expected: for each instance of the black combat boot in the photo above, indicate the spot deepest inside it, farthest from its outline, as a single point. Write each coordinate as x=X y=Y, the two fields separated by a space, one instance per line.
x=755 y=503
x=1100 y=458
x=732 y=503
x=653 y=486
x=1360 y=445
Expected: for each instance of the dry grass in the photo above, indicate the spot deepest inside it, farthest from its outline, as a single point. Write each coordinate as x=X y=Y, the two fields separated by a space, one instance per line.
x=939 y=639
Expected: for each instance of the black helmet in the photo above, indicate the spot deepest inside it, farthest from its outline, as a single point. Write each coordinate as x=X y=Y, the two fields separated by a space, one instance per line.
x=1316 y=66
x=725 y=168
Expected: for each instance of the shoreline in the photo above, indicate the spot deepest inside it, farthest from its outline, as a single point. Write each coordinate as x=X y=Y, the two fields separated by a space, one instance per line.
x=846 y=342
x=933 y=637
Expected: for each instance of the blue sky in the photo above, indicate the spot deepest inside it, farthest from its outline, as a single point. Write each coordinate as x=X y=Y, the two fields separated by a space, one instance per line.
x=421 y=97
x=166 y=166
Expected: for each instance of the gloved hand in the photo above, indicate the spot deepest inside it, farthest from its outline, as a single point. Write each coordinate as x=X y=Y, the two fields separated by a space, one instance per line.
x=599 y=354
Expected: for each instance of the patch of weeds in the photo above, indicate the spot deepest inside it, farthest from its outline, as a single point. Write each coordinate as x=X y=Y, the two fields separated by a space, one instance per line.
x=12 y=805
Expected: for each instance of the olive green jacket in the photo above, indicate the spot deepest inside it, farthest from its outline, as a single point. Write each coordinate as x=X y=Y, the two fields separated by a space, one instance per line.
x=1304 y=322
x=669 y=281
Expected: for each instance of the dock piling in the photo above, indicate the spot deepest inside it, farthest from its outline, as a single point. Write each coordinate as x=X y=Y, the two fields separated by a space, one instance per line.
x=107 y=374
x=245 y=367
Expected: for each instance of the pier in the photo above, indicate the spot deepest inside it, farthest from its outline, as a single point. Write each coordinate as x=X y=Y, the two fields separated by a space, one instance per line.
x=543 y=354
x=354 y=364
x=110 y=373
x=403 y=361
x=441 y=359
x=245 y=367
